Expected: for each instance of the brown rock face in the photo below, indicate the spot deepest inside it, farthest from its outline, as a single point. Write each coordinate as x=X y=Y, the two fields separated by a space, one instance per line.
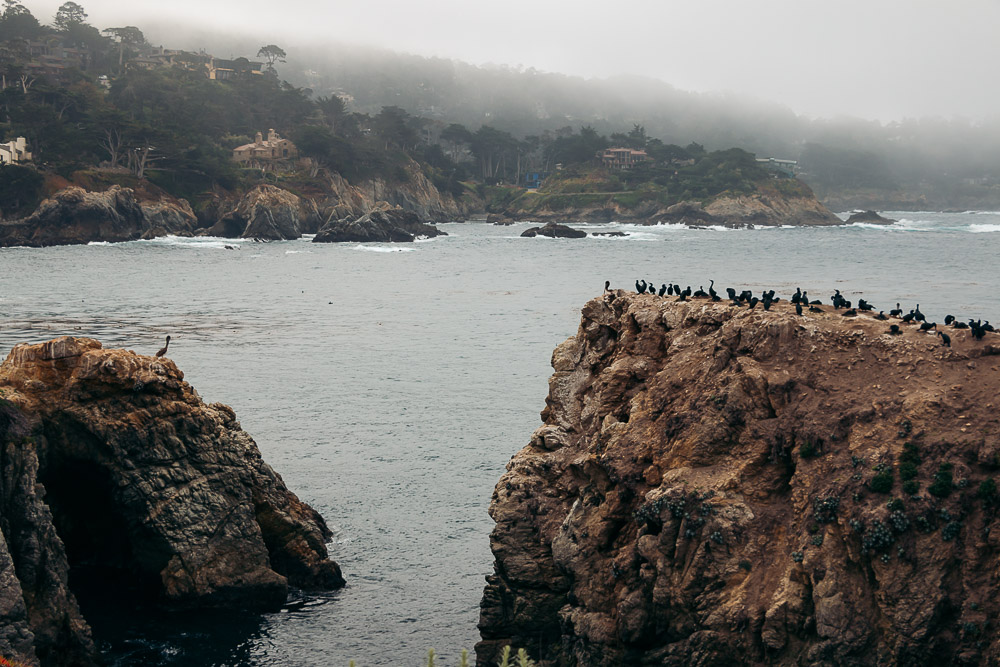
x=113 y=455
x=75 y=216
x=715 y=485
x=265 y=212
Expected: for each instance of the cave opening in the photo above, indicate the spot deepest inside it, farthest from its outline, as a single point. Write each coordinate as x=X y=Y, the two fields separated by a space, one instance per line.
x=106 y=572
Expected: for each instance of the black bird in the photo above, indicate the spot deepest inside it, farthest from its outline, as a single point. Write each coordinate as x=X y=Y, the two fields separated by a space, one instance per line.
x=701 y=291
x=683 y=296
x=948 y=319
x=712 y=293
x=797 y=296
x=753 y=302
x=731 y=292
x=607 y=285
x=670 y=290
x=988 y=326
x=816 y=302
x=815 y=309
x=917 y=315
x=959 y=325
x=804 y=299
x=798 y=308
x=849 y=313
x=864 y=305
x=945 y=338
x=163 y=350
x=640 y=287
x=663 y=289
x=927 y=326
x=688 y=291
x=896 y=312
x=894 y=329
x=908 y=317
x=977 y=329
x=677 y=290
x=881 y=315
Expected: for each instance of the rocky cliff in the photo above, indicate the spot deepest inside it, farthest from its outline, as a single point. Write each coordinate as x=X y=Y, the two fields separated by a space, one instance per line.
x=786 y=202
x=74 y=216
x=715 y=485
x=115 y=475
x=384 y=225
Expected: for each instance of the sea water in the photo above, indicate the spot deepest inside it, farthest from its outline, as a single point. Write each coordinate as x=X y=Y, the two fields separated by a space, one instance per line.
x=390 y=384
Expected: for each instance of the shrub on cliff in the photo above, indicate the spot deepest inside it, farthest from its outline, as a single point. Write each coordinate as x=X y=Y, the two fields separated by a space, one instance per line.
x=942 y=484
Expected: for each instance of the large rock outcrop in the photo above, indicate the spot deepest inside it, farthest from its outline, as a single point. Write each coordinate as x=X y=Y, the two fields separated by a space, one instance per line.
x=265 y=212
x=74 y=216
x=715 y=485
x=387 y=225
x=112 y=467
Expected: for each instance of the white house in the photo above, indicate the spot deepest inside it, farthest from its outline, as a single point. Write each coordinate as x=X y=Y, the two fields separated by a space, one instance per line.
x=15 y=151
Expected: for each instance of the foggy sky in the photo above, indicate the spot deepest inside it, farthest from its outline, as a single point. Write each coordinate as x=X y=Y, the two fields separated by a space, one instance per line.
x=876 y=59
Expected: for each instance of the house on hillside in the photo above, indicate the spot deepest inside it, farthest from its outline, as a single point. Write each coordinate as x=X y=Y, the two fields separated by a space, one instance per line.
x=14 y=151
x=621 y=158
x=778 y=168
x=227 y=70
x=262 y=152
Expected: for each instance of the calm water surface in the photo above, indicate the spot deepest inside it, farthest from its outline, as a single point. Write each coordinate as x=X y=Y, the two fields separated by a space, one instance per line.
x=389 y=385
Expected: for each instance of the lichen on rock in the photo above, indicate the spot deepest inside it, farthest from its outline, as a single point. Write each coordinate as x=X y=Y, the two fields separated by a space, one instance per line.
x=699 y=493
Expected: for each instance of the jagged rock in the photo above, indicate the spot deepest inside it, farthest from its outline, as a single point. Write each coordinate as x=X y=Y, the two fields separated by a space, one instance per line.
x=701 y=492
x=871 y=217
x=499 y=220
x=113 y=455
x=612 y=234
x=265 y=212
x=168 y=217
x=383 y=226
x=554 y=230
x=75 y=216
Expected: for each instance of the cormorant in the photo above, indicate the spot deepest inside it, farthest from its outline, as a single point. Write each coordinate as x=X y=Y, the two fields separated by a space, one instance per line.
x=607 y=285
x=945 y=338
x=927 y=326
x=663 y=289
x=815 y=309
x=753 y=302
x=712 y=292
x=894 y=329
x=948 y=319
x=959 y=325
x=163 y=350
x=988 y=326
x=881 y=315
x=850 y=312
x=640 y=287
x=798 y=308
x=917 y=315
x=797 y=296
x=670 y=290
x=908 y=317
x=731 y=292
x=896 y=312
x=701 y=291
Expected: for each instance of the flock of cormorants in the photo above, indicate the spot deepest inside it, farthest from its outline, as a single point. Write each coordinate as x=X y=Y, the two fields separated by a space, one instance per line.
x=977 y=328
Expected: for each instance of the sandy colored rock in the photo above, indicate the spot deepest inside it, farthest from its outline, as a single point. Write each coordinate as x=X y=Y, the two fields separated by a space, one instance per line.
x=702 y=491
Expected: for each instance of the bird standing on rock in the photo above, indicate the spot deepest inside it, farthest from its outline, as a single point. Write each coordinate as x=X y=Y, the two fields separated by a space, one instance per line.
x=163 y=350
x=945 y=339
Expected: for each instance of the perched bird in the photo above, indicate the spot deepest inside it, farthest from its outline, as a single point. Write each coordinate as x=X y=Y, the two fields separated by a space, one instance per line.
x=712 y=293
x=881 y=315
x=849 y=313
x=640 y=287
x=927 y=326
x=894 y=329
x=945 y=339
x=896 y=312
x=948 y=319
x=607 y=285
x=917 y=315
x=163 y=350
x=815 y=309
x=663 y=289
x=798 y=308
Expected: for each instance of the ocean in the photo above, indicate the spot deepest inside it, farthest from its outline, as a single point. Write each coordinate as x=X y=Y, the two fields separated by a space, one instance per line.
x=390 y=384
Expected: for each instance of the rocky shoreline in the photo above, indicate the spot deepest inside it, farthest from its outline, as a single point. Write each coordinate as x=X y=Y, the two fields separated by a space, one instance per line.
x=112 y=466
x=715 y=485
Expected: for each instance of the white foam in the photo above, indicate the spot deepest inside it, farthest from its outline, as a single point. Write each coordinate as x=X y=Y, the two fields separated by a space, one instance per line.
x=372 y=248
x=981 y=228
x=99 y=243
x=298 y=252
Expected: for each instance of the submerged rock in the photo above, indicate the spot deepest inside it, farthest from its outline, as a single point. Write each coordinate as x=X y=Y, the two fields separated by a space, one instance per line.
x=554 y=230
x=871 y=217
x=712 y=485
x=115 y=469
x=393 y=225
